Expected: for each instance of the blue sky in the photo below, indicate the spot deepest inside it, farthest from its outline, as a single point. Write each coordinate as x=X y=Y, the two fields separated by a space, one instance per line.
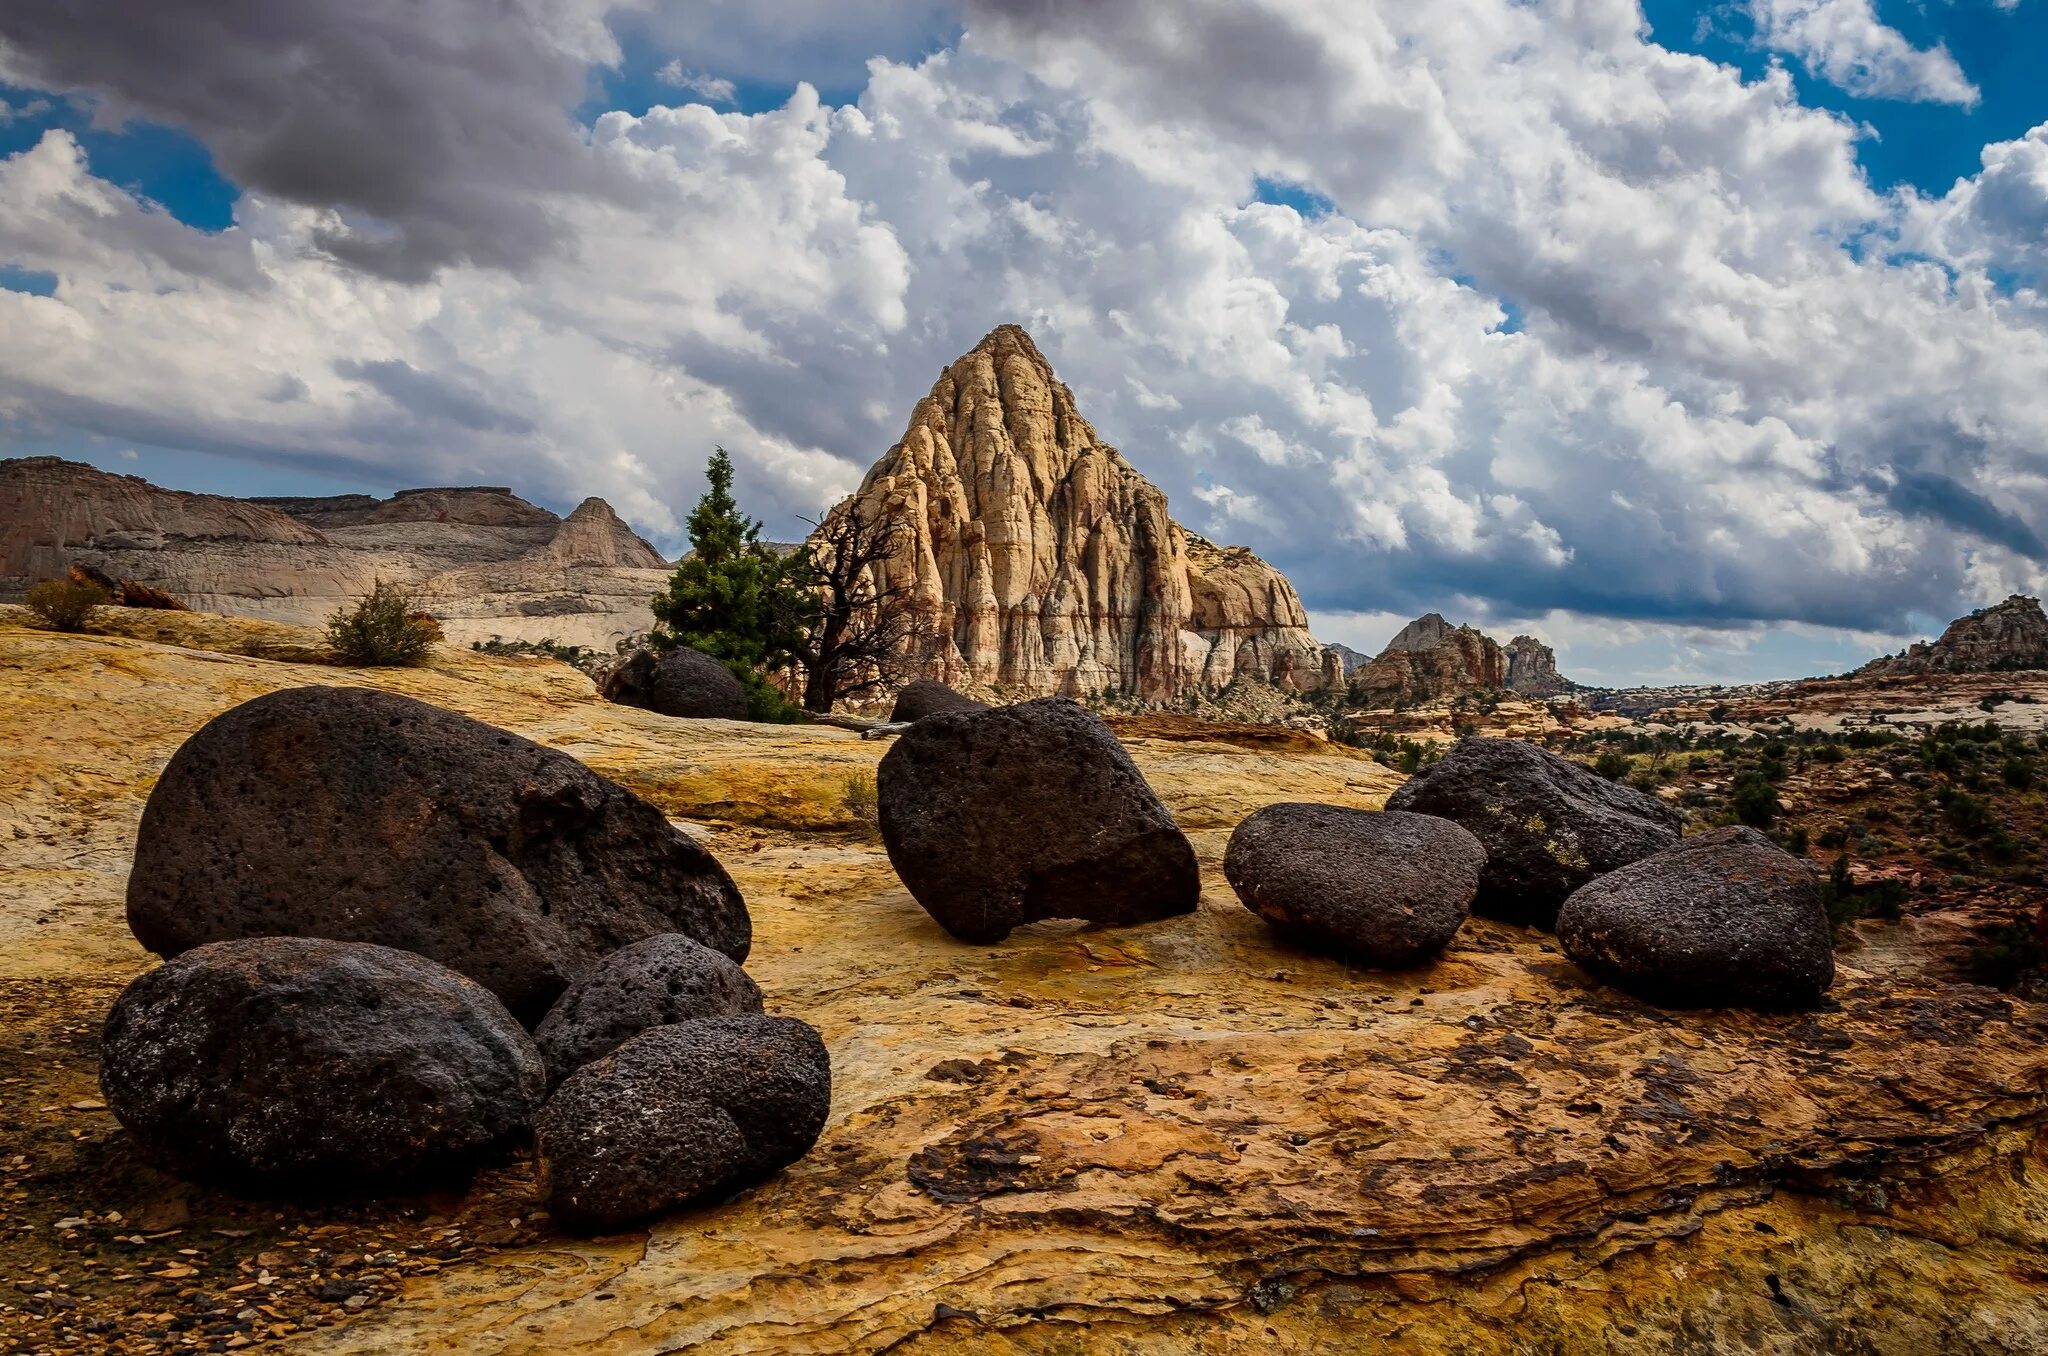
x=1346 y=296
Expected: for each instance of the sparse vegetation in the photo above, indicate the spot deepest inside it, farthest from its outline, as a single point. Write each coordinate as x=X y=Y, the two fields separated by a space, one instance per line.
x=384 y=630
x=575 y=656
x=857 y=794
x=66 y=604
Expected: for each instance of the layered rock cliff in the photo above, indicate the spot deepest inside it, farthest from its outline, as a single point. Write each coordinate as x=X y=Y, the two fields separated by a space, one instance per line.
x=484 y=561
x=2009 y=635
x=1046 y=564
x=1431 y=660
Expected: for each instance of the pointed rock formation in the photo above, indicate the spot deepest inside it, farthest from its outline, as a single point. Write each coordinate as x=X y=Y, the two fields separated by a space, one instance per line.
x=2010 y=635
x=1047 y=565
x=483 y=561
x=1431 y=660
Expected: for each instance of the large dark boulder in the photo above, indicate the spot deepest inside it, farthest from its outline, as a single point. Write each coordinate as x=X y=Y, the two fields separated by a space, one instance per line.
x=930 y=697
x=998 y=818
x=658 y=981
x=678 y=682
x=305 y=1066
x=1381 y=888
x=681 y=1114
x=1724 y=919
x=1548 y=825
x=364 y=816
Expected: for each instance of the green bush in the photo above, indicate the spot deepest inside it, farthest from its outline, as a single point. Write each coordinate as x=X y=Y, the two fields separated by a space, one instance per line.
x=1611 y=765
x=66 y=604
x=2018 y=773
x=381 y=631
x=1755 y=800
x=857 y=794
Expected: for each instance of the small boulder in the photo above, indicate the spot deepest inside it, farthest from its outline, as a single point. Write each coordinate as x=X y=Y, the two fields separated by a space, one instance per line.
x=1548 y=825
x=681 y=1114
x=306 y=1066
x=657 y=981
x=1382 y=888
x=369 y=817
x=1725 y=919
x=930 y=697
x=998 y=818
x=679 y=682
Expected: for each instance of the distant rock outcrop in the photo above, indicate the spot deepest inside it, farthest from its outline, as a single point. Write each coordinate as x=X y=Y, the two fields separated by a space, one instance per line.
x=1047 y=565
x=2010 y=635
x=483 y=561
x=1431 y=660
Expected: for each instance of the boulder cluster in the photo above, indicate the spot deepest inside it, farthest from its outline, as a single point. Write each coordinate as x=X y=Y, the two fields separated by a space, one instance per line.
x=995 y=818
x=366 y=903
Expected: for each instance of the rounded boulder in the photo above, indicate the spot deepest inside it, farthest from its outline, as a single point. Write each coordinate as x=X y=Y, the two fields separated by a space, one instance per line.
x=657 y=981
x=998 y=818
x=1381 y=888
x=369 y=817
x=295 y=1064
x=679 y=682
x=1548 y=825
x=1725 y=919
x=930 y=697
x=682 y=1114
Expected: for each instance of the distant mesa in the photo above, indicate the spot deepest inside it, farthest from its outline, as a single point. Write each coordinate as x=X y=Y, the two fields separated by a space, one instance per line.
x=1432 y=660
x=483 y=561
x=2009 y=635
x=1046 y=565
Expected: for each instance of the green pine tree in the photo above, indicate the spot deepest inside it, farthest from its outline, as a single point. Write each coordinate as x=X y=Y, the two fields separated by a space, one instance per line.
x=733 y=597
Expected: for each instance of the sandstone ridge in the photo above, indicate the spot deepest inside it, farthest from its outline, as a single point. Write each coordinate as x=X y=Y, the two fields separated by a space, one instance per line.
x=1047 y=565
x=2009 y=635
x=1432 y=660
x=484 y=561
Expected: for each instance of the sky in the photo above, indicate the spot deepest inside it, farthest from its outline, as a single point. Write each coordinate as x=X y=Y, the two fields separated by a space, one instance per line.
x=1707 y=342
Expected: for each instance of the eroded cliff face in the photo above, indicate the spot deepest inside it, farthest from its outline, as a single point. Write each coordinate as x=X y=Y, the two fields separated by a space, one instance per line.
x=484 y=561
x=1046 y=564
x=2010 y=635
x=1532 y=669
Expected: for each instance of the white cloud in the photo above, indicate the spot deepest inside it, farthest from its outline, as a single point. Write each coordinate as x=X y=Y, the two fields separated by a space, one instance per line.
x=710 y=88
x=1846 y=44
x=1745 y=386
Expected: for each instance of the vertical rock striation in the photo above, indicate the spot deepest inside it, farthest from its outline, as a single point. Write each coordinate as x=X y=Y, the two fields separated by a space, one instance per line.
x=1047 y=565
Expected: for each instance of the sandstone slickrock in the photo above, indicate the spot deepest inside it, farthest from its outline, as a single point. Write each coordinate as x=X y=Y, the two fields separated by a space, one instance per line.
x=1430 y=660
x=657 y=981
x=364 y=816
x=484 y=561
x=681 y=1114
x=303 y=1065
x=998 y=818
x=679 y=682
x=1046 y=564
x=930 y=697
x=1382 y=888
x=1726 y=918
x=1548 y=825
x=2010 y=635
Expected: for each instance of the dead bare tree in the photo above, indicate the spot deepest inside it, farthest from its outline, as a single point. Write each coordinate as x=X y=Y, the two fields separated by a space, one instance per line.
x=862 y=638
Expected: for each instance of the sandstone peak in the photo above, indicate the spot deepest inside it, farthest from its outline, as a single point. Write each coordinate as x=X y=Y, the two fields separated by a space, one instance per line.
x=1045 y=563
x=1430 y=659
x=595 y=535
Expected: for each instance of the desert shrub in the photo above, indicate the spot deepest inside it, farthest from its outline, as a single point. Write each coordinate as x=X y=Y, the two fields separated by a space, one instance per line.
x=1846 y=901
x=1796 y=840
x=1968 y=814
x=1754 y=800
x=380 y=631
x=2018 y=773
x=66 y=604
x=1828 y=753
x=2008 y=954
x=1612 y=765
x=857 y=795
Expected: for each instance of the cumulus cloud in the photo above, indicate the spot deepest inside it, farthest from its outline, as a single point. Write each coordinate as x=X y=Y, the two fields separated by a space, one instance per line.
x=1739 y=385
x=1846 y=44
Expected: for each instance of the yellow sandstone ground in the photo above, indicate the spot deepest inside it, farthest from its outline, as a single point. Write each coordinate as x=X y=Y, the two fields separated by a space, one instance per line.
x=1175 y=1138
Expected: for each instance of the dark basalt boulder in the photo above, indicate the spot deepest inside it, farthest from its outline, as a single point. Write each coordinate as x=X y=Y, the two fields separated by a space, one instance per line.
x=658 y=981
x=930 y=697
x=681 y=1114
x=369 y=817
x=1380 y=888
x=1725 y=919
x=679 y=682
x=304 y=1066
x=998 y=818
x=1548 y=825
